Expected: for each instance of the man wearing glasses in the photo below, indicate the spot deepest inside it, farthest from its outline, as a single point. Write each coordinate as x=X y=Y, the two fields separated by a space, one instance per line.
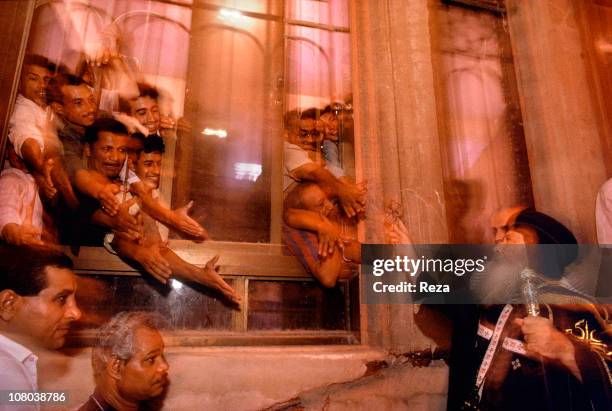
x=315 y=237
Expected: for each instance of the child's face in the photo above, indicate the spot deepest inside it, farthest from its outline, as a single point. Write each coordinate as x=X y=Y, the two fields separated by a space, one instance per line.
x=33 y=85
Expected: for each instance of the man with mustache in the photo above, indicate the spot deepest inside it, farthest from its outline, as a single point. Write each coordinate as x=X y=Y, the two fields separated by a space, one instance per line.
x=159 y=260
x=73 y=101
x=308 y=186
x=37 y=308
x=32 y=131
x=105 y=150
x=128 y=363
x=30 y=121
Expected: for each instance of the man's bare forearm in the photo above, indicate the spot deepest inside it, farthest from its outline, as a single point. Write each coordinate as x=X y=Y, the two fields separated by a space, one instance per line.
x=33 y=156
x=317 y=174
x=151 y=206
x=88 y=183
x=303 y=219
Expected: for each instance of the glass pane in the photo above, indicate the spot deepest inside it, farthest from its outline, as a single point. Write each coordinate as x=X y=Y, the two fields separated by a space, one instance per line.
x=331 y=12
x=296 y=305
x=225 y=164
x=182 y=306
x=318 y=67
x=222 y=73
x=318 y=73
x=486 y=165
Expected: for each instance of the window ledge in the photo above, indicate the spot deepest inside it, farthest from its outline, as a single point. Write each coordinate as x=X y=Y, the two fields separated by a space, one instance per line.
x=237 y=259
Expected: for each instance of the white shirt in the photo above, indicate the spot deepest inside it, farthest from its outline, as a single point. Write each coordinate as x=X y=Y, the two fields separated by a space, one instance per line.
x=19 y=199
x=603 y=213
x=17 y=372
x=29 y=120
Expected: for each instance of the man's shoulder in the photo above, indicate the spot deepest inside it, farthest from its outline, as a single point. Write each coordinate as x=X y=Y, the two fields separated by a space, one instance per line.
x=14 y=175
x=290 y=146
x=95 y=403
x=24 y=106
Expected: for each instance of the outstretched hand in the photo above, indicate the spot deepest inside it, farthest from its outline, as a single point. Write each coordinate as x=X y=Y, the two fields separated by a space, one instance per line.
x=108 y=199
x=188 y=225
x=210 y=277
x=154 y=263
x=22 y=235
x=396 y=232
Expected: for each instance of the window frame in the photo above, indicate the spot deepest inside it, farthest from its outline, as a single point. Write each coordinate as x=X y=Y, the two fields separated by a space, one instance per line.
x=239 y=261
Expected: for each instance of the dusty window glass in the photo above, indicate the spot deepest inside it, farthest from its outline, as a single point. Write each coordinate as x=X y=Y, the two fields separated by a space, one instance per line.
x=483 y=144
x=224 y=74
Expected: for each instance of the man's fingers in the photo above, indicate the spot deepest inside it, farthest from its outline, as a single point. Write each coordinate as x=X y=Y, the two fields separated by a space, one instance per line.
x=322 y=246
x=349 y=210
x=213 y=262
x=130 y=202
x=132 y=234
x=157 y=275
x=161 y=267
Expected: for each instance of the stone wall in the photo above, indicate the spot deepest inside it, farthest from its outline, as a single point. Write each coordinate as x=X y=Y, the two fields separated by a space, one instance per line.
x=313 y=378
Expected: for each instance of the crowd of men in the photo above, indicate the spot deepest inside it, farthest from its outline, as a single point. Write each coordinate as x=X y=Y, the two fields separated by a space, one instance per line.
x=78 y=175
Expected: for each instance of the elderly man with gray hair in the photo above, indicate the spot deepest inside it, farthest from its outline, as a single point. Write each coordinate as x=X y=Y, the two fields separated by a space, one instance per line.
x=128 y=363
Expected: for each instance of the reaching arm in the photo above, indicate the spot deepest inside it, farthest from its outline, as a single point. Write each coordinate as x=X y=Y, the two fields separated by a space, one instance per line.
x=122 y=221
x=178 y=219
x=95 y=186
x=149 y=257
x=328 y=233
x=351 y=196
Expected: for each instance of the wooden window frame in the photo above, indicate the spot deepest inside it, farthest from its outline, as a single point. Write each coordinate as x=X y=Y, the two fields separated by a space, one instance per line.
x=239 y=261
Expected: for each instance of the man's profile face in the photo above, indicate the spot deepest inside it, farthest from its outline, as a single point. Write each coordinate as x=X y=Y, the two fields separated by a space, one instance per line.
x=146 y=111
x=46 y=317
x=33 y=84
x=108 y=153
x=520 y=235
x=79 y=104
x=306 y=136
x=145 y=375
x=502 y=220
x=148 y=168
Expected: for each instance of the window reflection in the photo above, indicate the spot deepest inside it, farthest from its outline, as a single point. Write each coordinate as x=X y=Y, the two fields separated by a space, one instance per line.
x=155 y=116
x=486 y=164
